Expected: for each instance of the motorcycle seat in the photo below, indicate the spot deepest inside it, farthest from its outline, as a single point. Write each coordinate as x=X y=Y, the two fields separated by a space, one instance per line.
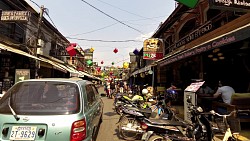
x=163 y=122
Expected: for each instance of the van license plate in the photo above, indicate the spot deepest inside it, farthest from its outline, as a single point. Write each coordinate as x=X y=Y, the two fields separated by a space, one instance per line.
x=23 y=133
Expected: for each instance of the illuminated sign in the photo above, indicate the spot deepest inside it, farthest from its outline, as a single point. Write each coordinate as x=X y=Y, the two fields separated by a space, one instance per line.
x=153 y=49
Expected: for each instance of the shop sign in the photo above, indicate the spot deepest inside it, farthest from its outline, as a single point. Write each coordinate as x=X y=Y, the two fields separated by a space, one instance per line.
x=233 y=5
x=217 y=43
x=22 y=74
x=194 y=35
x=15 y=16
x=153 y=49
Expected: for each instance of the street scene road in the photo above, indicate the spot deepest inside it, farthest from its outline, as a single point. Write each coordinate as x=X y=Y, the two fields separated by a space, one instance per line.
x=108 y=129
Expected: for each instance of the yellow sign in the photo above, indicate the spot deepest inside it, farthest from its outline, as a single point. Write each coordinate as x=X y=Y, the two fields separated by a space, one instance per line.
x=153 y=49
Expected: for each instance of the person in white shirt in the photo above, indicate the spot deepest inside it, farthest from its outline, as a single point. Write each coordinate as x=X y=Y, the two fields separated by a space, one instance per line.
x=225 y=92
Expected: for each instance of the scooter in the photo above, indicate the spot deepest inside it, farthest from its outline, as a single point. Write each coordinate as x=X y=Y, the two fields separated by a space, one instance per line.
x=199 y=129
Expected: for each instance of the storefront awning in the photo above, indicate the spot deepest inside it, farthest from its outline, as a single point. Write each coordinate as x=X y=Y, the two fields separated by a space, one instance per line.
x=235 y=35
x=17 y=51
x=147 y=68
x=54 y=64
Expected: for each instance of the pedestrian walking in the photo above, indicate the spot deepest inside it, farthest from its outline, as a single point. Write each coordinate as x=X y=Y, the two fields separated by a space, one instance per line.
x=112 y=88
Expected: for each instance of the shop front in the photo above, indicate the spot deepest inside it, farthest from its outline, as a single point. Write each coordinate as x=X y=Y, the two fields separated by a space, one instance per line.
x=224 y=57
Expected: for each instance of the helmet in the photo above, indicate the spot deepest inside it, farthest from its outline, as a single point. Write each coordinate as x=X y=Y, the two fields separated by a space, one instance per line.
x=144 y=91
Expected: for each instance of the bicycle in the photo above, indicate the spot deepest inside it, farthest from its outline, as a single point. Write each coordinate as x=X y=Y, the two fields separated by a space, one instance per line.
x=229 y=136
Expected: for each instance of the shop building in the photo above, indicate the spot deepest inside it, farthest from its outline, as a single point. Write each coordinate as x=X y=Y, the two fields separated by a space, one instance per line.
x=31 y=46
x=209 y=42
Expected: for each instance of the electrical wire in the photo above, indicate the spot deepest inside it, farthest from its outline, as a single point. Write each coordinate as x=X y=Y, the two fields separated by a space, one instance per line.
x=122 y=9
x=112 y=17
x=114 y=41
x=94 y=30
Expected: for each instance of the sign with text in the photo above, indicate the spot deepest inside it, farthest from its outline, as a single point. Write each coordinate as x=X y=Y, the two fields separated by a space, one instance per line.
x=207 y=27
x=23 y=16
x=22 y=74
x=233 y=5
x=153 y=49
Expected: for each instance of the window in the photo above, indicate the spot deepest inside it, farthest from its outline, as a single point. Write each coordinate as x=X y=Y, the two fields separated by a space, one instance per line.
x=90 y=95
x=42 y=98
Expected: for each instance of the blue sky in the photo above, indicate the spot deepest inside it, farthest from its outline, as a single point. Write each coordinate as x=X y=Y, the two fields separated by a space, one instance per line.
x=107 y=20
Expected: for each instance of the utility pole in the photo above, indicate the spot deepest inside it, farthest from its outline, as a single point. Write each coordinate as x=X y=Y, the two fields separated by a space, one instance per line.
x=37 y=66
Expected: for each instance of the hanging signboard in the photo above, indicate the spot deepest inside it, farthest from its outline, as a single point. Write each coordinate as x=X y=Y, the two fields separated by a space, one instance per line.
x=188 y=3
x=232 y=5
x=22 y=74
x=22 y=16
x=153 y=49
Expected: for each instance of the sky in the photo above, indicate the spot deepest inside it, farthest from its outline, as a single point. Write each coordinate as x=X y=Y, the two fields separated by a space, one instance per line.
x=107 y=24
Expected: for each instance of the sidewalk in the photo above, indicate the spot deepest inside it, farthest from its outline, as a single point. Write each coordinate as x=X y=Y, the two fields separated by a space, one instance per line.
x=244 y=134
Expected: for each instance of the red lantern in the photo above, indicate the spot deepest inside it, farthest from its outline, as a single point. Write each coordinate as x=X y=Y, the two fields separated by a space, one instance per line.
x=71 y=49
x=98 y=69
x=115 y=50
x=102 y=62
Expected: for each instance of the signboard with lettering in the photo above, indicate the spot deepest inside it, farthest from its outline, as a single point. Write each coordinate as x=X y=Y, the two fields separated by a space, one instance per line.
x=233 y=5
x=23 y=16
x=22 y=74
x=153 y=49
x=195 y=34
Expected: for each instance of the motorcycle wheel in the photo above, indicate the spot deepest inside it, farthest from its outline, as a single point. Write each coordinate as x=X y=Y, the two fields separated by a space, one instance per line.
x=118 y=110
x=129 y=123
x=157 y=138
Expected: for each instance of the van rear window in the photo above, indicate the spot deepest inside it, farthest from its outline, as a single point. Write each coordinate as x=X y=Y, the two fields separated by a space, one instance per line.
x=42 y=98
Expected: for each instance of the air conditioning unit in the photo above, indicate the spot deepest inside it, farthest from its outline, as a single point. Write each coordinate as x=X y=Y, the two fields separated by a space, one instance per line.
x=40 y=43
x=39 y=51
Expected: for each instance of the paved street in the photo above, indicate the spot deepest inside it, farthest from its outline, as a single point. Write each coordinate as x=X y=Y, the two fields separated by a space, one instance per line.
x=108 y=128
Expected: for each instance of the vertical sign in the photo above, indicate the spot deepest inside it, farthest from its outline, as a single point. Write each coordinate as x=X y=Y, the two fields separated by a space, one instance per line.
x=153 y=49
x=22 y=74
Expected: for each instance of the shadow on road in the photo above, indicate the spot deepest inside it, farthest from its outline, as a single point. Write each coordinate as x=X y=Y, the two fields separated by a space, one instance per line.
x=110 y=114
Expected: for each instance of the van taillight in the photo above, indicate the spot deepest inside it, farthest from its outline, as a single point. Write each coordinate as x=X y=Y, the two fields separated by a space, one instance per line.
x=78 y=130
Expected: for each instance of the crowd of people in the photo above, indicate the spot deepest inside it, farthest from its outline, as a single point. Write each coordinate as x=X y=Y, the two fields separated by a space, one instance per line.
x=112 y=86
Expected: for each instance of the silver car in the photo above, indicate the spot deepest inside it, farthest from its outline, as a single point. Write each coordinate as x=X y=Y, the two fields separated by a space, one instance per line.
x=52 y=110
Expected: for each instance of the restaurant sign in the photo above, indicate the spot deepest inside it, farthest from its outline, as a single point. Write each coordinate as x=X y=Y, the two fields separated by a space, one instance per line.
x=23 y=16
x=194 y=35
x=153 y=49
x=233 y=5
x=22 y=74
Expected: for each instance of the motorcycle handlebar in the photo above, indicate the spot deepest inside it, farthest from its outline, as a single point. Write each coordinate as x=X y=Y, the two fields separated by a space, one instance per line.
x=230 y=114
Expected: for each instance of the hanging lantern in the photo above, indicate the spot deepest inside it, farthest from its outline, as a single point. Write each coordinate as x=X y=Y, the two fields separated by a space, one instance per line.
x=136 y=51
x=112 y=63
x=125 y=65
x=115 y=50
x=91 y=49
x=89 y=62
x=102 y=62
x=111 y=73
x=98 y=69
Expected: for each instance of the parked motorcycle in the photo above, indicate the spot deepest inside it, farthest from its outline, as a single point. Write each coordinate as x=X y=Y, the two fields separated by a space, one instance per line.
x=199 y=129
x=131 y=125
